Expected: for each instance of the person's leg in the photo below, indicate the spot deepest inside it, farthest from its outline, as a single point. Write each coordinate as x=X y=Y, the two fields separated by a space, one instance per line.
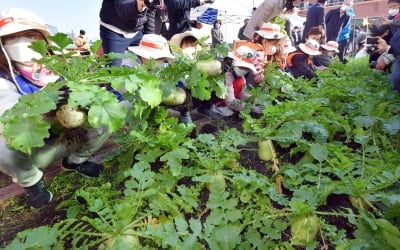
x=113 y=42
x=395 y=76
x=342 y=50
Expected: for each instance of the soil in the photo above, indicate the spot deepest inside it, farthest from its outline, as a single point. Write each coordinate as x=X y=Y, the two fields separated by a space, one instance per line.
x=16 y=217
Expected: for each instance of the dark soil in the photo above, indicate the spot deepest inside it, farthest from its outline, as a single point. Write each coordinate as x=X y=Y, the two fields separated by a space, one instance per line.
x=19 y=218
x=334 y=203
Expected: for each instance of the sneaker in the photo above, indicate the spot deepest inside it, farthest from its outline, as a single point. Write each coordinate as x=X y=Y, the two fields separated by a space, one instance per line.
x=38 y=195
x=209 y=113
x=87 y=168
x=185 y=117
x=222 y=111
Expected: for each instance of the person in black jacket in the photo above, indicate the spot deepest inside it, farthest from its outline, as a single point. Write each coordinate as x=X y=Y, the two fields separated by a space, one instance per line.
x=123 y=23
x=315 y=17
x=179 y=15
x=336 y=20
x=299 y=63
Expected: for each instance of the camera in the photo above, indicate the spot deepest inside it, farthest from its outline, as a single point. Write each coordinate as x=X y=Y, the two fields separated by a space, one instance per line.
x=372 y=40
x=371 y=49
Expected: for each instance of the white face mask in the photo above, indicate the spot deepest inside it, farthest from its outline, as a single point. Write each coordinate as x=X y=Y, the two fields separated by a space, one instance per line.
x=272 y=50
x=37 y=75
x=239 y=71
x=161 y=64
x=18 y=51
x=190 y=52
x=345 y=8
x=393 y=12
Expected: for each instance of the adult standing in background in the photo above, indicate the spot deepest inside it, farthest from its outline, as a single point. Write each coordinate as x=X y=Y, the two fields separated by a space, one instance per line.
x=123 y=23
x=296 y=35
x=265 y=12
x=337 y=19
x=216 y=34
x=82 y=44
x=179 y=15
x=240 y=33
x=315 y=17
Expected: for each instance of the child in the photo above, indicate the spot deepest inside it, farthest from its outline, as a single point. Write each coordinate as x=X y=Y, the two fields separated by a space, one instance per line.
x=236 y=82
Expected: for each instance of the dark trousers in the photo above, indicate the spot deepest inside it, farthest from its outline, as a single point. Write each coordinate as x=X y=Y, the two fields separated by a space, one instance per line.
x=117 y=43
x=395 y=76
x=342 y=50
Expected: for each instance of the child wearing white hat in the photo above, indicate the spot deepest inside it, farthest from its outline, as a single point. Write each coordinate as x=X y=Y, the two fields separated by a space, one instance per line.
x=299 y=63
x=328 y=51
x=236 y=82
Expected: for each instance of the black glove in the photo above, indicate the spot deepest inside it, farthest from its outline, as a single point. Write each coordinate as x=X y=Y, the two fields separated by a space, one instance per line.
x=227 y=64
x=63 y=94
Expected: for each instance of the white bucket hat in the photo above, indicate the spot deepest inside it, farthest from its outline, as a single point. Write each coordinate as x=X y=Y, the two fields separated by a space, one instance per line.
x=177 y=38
x=15 y=20
x=152 y=46
x=331 y=46
x=287 y=46
x=243 y=56
x=270 y=31
x=311 y=47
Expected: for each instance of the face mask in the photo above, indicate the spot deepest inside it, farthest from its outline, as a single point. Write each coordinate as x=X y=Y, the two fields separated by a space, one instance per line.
x=161 y=64
x=190 y=52
x=393 y=12
x=40 y=77
x=18 y=51
x=331 y=54
x=240 y=72
x=345 y=8
x=272 y=50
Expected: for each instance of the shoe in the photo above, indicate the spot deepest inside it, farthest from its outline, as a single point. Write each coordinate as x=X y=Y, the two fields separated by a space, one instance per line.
x=222 y=111
x=38 y=195
x=87 y=168
x=185 y=117
x=209 y=113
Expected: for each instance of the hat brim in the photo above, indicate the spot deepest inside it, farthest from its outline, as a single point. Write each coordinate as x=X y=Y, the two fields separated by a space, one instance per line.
x=309 y=51
x=177 y=38
x=239 y=63
x=20 y=27
x=270 y=35
x=289 y=50
x=328 y=48
x=150 y=54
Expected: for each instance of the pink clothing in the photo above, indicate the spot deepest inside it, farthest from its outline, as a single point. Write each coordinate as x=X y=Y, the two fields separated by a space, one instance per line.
x=259 y=63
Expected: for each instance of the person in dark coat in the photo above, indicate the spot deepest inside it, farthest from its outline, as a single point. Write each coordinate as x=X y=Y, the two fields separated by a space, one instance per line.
x=123 y=23
x=241 y=30
x=299 y=63
x=336 y=20
x=315 y=17
x=179 y=15
x=296 y=35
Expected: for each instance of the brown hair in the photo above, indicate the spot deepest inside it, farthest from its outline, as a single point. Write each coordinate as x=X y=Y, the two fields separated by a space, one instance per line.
x=4 y=64
x=317 y=31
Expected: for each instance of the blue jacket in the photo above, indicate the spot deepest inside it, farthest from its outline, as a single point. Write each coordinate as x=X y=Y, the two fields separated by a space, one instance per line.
x=123 y=14
x=315 y=17
x=179 y=15
x=335 y=23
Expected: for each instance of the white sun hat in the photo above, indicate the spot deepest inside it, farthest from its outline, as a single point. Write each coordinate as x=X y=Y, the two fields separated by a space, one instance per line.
x=177 y=38
x=152 y=46
x=331 y=46
x=287 y=46
x=243 y=56
x=270 y=31
x=15 y=20
x=311 y=47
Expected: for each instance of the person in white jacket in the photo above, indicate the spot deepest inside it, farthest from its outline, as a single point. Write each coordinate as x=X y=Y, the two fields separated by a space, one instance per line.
x=19 y=75
x=265 y=12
